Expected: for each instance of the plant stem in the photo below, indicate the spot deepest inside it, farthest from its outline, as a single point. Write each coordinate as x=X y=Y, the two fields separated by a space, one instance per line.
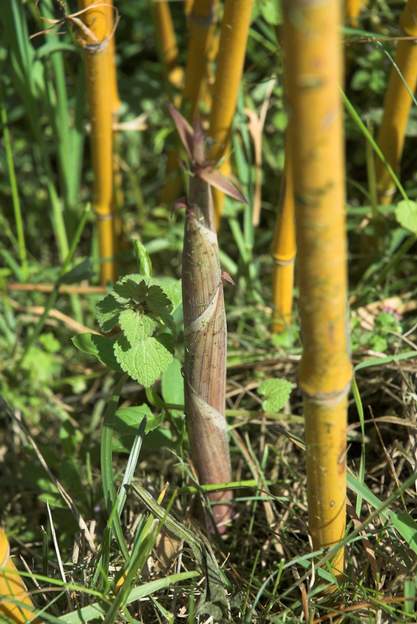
x=96 y=44
x=15 y=195
x=232 y=48
x=200 y=48
x=205 y=348
x=353 y=9
x=398 y=99
x=167 y=42
x=55 y=292
x=283 y=252
x=313 y=74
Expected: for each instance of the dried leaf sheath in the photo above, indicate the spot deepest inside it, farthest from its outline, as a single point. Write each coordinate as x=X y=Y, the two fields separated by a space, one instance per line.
x=205 y=347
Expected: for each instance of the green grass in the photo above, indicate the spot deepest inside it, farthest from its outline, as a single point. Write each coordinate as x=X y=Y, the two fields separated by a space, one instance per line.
x=104 y=521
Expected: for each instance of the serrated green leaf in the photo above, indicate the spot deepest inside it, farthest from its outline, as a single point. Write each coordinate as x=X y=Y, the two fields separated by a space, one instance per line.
x=136 y=326
x=276 y=393
x=145 y=360
x=406 y=215
x=128 y=288
x=100 y=347
x=172 y=289
x=107 y=312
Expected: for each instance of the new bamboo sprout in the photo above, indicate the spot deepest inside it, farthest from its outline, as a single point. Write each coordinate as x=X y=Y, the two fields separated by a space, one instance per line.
x=231 y=56
x=313 y=77
x=200 y=48
x=283 y=252
x=96 y=44
x=204 y=325
x=15 y=603
x=397 y=103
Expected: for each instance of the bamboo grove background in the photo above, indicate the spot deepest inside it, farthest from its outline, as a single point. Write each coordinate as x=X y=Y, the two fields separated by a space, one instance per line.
x=297 y=183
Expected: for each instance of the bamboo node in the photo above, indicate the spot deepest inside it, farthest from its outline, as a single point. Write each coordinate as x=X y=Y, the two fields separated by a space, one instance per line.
x=283 y=259
x=104 y=217
x=96 y=48
x=327 y=399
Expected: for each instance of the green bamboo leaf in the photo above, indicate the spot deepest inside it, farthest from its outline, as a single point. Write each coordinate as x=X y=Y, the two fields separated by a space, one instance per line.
x=406 y=215
x=96 y=611
x=401 y=521
x=276 y=393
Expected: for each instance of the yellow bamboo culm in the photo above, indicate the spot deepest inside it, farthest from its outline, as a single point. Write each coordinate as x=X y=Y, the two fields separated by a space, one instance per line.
x=202 y=30
x=397 y=103
x=118 y=198
x=232 y=47
x=353 y=9
x=283 y=253
x=96 y=44
x=13 y=593
x=112 y=53
x=313 y=75
x=188 y=5
x=167 y=42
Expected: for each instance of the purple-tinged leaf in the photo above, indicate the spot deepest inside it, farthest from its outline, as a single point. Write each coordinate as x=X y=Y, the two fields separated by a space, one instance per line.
x=185 y=131
x=219 y=181
x=227 y=278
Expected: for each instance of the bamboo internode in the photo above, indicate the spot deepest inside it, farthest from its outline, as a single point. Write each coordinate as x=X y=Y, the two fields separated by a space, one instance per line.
x=96 y=44
x=397 y=103
x=202 y=31
x=167 y=42
x=353 y=9
x=313 y=76
x=283 y=252
x=231 y=57
x=112 y=54
x=13 y=593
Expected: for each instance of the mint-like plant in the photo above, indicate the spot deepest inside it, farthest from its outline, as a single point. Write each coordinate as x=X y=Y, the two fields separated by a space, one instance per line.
x=138 y=326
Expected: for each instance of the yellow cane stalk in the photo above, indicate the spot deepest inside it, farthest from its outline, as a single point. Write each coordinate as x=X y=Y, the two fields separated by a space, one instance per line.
x=188 y=5
x=13 y=592
x=313 y=74
x=167 y=42
x=117 y=178
x=200 y=48
x=353 y=9
x=231 y=57
x=283 y=253
x=112 y=54
x=397 y=103
x=96 y=44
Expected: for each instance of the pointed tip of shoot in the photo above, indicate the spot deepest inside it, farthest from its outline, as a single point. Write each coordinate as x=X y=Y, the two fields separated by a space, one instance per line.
x=185 y=131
